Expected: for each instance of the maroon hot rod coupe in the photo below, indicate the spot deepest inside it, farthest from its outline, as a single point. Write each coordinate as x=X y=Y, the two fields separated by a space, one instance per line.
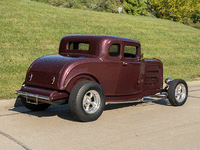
x=93 y=69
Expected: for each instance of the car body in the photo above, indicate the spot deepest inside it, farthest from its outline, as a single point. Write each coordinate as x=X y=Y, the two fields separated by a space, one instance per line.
x=114 y=63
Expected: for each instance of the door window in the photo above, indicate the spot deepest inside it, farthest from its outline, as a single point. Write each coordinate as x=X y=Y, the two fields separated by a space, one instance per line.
x=114 y=50
x=130 y=51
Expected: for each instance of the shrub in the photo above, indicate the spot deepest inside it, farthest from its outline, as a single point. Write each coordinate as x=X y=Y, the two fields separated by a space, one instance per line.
x=43 y=1
x=176 y=10
x=69 y=3
x=135 y=7
x=57 y=2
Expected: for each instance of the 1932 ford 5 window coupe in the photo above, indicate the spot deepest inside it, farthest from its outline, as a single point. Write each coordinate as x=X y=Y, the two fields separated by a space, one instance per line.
x=93 y=69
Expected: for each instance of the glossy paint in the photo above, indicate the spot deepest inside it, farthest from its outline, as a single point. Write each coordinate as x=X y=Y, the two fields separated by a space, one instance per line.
x=122 y=78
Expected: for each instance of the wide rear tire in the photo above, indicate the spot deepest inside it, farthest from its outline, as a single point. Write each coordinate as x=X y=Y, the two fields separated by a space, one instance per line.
x=87 y=101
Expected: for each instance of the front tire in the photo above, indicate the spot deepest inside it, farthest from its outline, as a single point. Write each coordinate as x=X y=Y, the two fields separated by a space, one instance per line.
x=178 y=92
x=39 y=107
x=87 y=101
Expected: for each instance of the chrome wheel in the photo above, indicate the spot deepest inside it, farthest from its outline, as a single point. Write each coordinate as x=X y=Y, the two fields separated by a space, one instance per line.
x=87 y=101
x=180 y=93
x=91 y=101
x=177 y=92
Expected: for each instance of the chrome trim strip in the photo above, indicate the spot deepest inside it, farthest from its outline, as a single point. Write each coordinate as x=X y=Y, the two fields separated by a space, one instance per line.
x=32 y=95
x=53 y=80
x=30 y=77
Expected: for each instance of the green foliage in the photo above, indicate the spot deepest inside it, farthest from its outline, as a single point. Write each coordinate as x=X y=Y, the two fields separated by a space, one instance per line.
x=57 y=2
x=52 y=2
x=97 y=5
x=42 y=1
x=183 y=11
x=113 y=5
x=135 y=7
x=30 y=30
x=72 y=4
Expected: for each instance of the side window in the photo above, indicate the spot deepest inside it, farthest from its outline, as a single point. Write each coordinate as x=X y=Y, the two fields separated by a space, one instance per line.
x=79 y=46
x=130 y=51
x=114 y=50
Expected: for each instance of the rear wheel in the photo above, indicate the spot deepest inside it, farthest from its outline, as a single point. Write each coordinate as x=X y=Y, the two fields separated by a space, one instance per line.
x=178 y=92
x=39 y=107
x=87 y=101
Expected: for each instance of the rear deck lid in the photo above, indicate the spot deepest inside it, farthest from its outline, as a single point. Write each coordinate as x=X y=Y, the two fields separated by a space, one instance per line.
x=45 y=71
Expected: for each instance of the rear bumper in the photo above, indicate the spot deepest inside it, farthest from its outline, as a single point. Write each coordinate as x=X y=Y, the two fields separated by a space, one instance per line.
x=25 y=94
x=42 y=95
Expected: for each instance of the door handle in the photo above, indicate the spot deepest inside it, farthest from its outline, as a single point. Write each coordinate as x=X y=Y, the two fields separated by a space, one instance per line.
x=125 y=63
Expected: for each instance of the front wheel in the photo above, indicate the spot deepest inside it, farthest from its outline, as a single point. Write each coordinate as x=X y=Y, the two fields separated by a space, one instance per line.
x=87 y=101
x=178 y=92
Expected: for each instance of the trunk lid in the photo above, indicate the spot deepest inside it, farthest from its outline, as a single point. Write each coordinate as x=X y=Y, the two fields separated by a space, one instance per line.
x=45 y=71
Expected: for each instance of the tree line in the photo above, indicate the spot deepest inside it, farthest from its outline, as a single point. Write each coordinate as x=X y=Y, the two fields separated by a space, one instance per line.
x=184 y=11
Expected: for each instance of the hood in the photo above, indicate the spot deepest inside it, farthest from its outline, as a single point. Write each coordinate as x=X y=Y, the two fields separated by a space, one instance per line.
x=45 y=71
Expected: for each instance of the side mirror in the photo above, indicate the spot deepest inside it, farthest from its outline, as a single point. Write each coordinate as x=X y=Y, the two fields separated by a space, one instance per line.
x=142 y=55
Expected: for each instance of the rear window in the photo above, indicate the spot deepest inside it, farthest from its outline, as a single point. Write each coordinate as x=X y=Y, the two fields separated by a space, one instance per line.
x=79 y=46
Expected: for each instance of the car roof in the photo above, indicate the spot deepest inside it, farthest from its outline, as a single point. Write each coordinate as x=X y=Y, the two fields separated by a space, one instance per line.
x=99 y=37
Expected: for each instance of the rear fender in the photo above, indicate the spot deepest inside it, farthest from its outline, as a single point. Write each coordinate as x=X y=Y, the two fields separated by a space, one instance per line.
x=79 y=78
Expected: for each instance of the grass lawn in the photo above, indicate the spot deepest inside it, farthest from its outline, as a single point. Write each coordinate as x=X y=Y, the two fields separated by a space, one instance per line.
x=29 y=30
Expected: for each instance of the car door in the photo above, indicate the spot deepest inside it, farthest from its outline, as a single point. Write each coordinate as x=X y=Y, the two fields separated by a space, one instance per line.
x=129 y=79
